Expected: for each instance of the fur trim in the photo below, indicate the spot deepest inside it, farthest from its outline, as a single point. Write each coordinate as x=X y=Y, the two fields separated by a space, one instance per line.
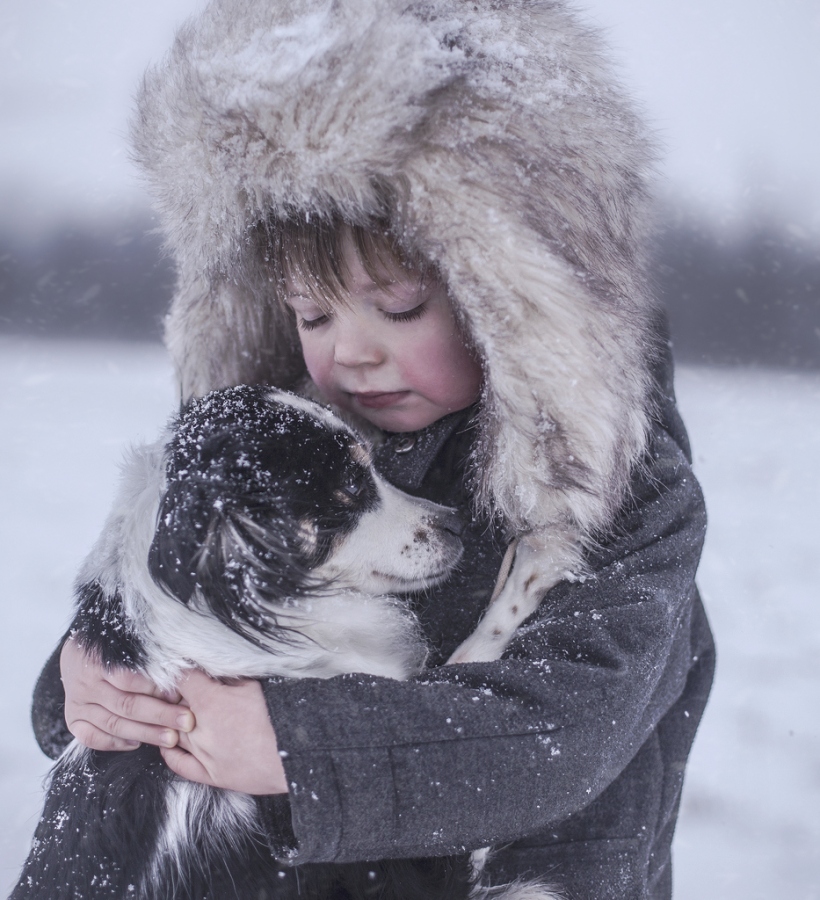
x=512 y=159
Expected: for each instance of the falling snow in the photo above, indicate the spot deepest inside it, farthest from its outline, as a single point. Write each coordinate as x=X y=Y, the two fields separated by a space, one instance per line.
x=749 y=826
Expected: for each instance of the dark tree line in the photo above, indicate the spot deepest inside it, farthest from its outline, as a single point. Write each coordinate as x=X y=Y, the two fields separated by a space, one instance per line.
x=751 y=296
x=109 y=280
x=748 y=296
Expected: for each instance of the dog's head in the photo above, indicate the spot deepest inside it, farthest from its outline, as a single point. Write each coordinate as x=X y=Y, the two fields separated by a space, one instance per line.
x=270 y=498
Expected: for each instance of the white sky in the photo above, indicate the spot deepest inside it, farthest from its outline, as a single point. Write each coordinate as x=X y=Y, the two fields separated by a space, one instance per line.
x=731 y=86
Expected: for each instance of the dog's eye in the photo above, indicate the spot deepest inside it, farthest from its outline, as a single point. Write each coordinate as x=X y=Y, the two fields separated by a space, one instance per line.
x=353 y=488
x=350 y=491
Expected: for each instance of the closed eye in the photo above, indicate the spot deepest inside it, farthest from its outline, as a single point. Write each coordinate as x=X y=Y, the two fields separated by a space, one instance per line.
x=408 y=315
x=310 y=324
x=309 y=314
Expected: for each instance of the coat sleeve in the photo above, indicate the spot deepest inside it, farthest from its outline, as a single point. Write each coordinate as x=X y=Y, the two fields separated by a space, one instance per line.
x=478 y=754
x=48 y=708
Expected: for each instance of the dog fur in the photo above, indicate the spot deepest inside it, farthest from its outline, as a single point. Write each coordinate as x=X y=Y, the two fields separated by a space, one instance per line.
x=253 y=540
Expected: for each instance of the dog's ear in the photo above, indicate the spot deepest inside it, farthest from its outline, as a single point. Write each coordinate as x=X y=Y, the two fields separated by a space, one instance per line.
x=231 y=553
x=182 y=523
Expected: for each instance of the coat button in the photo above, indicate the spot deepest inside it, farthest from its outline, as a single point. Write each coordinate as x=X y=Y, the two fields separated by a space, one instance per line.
x=405 y=445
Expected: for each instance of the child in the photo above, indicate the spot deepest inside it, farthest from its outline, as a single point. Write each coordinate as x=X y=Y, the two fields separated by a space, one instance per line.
x=432 y=216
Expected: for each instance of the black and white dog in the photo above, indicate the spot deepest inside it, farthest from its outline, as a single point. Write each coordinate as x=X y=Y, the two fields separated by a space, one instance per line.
x=254 y=539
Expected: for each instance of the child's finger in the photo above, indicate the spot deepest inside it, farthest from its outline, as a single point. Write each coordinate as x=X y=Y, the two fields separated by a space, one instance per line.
x=102 y=719
x=146 y=710
x=185 y=765
x=137 y=683
x=84 y=676
x=92 y=737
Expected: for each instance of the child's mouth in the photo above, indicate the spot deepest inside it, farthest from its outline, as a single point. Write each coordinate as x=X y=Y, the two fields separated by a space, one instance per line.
x=379 y=399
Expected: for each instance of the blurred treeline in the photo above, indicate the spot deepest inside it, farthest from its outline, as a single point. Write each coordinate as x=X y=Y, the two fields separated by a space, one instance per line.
x=85 y=279
x=747 y=295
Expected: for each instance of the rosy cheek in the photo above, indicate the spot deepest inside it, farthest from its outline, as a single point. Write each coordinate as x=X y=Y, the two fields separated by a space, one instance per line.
x=427 y=368
x=445 y=371
x=316 y=361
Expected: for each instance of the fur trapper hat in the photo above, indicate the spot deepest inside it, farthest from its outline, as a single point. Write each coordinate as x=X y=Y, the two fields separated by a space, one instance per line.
x=496 y=137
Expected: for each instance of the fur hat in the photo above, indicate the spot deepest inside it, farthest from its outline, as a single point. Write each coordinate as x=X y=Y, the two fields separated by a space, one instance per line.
x=498 y=137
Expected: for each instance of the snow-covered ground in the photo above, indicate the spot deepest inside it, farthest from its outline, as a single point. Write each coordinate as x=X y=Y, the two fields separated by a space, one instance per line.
x=750 y=826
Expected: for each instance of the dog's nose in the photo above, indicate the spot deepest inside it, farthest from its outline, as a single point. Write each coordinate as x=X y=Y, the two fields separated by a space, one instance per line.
x=453 y=522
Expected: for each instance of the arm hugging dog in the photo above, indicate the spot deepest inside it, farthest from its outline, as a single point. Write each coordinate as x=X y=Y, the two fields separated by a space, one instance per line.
x=254 y=540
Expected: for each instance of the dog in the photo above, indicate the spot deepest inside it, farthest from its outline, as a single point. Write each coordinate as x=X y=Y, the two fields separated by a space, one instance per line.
x=254 y=539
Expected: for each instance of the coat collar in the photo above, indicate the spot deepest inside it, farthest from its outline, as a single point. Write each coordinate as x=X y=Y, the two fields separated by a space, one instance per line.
x=405 y=458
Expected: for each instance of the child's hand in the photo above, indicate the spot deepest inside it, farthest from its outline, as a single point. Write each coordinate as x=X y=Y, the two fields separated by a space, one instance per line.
x=233 y=745
x=115 y=709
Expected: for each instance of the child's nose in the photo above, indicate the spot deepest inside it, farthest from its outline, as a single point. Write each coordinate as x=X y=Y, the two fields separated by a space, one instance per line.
x=355 y=347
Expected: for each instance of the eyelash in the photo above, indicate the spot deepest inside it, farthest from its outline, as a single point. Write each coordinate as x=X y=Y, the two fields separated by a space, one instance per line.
x=415 y=313
x=408 y=316
x=310 y=324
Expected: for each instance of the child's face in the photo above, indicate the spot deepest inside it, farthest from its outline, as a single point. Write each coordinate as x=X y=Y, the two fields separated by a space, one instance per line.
x=392 y=354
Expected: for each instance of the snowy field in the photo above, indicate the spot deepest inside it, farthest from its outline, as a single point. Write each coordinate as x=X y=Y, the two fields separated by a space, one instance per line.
x=750 y=826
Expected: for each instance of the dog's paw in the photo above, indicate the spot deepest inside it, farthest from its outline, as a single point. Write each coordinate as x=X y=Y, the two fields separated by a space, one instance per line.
x=537 y=568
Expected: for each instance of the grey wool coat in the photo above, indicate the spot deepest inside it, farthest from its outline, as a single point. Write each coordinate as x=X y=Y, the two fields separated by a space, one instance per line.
x=567 y=756
x=495 y=139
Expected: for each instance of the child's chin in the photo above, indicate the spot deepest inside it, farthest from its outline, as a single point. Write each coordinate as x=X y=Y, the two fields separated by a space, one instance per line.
x=400 y=420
